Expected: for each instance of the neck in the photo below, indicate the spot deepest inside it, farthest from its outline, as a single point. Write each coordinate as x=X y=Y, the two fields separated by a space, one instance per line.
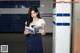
x=35 y=19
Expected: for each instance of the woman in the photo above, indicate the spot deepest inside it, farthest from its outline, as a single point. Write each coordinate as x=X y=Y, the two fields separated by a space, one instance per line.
x=34 y=29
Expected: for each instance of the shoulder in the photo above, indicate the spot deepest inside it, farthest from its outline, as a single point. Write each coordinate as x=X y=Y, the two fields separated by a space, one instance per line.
x=42 y=21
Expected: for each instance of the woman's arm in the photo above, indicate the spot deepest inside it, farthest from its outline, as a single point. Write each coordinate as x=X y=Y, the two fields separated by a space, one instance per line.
x=42 y=30
x=26 y=30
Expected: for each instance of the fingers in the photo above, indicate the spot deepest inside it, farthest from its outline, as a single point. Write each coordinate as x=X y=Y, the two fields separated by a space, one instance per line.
x=25 y=32
x=26 y=27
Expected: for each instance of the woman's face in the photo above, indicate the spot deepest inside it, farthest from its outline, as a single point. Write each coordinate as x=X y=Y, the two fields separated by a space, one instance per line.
x=33 y=14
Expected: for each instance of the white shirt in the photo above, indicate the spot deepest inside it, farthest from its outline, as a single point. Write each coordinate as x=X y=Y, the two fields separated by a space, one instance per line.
x=38 y=23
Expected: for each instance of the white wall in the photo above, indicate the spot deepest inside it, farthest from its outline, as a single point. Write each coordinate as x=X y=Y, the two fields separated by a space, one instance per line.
x=62 y=33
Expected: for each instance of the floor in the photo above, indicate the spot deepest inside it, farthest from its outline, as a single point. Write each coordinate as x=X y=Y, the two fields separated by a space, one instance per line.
x=16 y=42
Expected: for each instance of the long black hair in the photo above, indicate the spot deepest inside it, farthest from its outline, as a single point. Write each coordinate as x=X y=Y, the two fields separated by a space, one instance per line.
x=29 y=20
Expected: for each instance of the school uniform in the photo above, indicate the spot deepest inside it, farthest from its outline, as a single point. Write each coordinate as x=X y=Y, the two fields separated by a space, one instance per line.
x=34 y=40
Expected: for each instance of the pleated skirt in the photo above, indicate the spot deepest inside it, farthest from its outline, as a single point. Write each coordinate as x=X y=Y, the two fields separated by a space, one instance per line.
x=34 y=43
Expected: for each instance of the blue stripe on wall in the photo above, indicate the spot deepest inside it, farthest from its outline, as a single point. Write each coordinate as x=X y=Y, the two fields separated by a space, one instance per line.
x=62 y=14
x=61 y=24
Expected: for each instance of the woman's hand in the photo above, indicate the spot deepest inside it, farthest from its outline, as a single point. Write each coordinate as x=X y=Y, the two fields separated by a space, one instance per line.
x=26 y=30
x=42 y=31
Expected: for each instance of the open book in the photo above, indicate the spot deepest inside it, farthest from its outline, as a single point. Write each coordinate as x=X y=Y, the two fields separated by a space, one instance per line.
x=34 y=29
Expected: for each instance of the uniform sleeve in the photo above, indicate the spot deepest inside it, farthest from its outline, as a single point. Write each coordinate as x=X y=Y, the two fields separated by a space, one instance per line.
x=26 y=23
x=42 y=29
x=42 y=21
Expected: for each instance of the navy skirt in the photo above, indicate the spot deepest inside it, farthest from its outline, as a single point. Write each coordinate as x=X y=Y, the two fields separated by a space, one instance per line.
x=34 y=43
